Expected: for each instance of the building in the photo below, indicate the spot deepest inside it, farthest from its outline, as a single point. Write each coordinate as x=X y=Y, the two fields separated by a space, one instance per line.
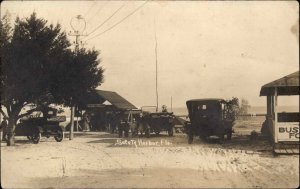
x=283 y=127
x=103 y=106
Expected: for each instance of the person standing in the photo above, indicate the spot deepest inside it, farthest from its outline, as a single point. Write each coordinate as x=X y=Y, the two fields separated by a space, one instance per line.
x=164 y=108
x=86 y=126
x=3 y=127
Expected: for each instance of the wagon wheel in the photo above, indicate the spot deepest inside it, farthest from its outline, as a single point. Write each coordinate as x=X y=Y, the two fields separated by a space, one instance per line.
x=29 y=137
x=36 y=137
x=59 y=135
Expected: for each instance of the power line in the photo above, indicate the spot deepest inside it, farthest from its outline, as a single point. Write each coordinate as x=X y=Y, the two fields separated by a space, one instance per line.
x=107 y=19
x=118 y=22
x=97 y=12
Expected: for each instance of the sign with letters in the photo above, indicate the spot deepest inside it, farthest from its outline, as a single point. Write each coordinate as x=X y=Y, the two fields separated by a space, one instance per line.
x=288 y=131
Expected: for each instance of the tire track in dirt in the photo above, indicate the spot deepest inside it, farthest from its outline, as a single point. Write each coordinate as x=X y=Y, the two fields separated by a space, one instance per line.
x=106 y=153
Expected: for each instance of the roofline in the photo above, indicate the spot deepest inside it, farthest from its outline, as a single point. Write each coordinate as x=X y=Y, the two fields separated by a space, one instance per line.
x=267 y=85
x=133 y=106
x=206 y=99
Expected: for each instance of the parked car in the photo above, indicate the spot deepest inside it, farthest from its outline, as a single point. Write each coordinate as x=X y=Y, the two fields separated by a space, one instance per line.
x=156 y=122
x=132 y=119
x=209 y=117
x=41 y=123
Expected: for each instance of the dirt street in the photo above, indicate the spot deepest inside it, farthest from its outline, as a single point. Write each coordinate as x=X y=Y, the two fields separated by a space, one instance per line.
x=101 y=160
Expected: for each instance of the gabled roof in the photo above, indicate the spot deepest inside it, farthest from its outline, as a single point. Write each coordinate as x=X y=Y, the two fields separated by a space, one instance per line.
x=288 y=85
x=115 y=99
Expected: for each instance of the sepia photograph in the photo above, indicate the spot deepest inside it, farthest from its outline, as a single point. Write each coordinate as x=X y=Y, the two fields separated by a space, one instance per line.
x=149 y=94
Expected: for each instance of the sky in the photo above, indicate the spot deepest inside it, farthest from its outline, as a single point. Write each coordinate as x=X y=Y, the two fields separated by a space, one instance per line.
x=205 y=49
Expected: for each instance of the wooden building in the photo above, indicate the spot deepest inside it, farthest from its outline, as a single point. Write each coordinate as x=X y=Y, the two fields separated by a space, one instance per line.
x=283 y=127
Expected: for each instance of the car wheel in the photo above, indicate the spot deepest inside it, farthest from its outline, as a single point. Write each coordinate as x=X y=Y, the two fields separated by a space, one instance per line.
x=190 y=134
x=36 y=137
x=59 y=135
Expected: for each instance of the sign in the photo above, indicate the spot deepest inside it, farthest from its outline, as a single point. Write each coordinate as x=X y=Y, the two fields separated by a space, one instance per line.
x=288 y=131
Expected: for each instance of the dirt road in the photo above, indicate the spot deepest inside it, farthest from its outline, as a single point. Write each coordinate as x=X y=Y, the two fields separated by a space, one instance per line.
x=100 y=160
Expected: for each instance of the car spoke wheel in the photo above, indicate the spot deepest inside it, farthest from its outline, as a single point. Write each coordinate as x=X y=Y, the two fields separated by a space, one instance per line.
x=59 y=135
x=36 y=137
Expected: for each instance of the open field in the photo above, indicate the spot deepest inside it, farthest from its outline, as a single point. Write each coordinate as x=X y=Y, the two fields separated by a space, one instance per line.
x=101 y=160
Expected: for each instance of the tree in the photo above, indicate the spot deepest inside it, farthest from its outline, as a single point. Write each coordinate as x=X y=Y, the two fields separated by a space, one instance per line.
x=39 y=67
x=232 y=108
x=244 y=107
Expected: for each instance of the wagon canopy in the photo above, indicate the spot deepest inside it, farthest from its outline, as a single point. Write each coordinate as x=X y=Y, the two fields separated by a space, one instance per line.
x=288 y=85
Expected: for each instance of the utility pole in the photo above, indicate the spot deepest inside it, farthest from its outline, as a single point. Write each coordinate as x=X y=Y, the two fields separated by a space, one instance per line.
x=77 y=33
x=156 y=67
x=171 y=105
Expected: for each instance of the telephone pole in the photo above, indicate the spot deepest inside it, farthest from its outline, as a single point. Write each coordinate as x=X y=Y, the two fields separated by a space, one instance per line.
x=156 y=67
x=77 y=33
x=171 y=104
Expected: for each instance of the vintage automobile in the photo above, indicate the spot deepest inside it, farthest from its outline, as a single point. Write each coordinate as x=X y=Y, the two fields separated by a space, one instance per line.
x=41 y=123
x=209 y=117
x=156 y=122
x=132 y=118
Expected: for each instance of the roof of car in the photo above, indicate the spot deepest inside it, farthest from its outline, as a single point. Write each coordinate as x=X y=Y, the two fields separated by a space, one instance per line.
x=206 y=99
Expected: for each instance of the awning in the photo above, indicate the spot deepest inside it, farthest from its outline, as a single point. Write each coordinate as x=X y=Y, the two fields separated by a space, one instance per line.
x=115 y=100
x=288 y=85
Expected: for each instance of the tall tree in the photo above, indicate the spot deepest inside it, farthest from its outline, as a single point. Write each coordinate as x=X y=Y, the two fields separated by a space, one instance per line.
x=38 y=66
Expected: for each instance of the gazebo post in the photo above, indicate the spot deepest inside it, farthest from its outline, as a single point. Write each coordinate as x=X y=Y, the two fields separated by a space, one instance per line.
x=275 y=115
x=269 y=115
